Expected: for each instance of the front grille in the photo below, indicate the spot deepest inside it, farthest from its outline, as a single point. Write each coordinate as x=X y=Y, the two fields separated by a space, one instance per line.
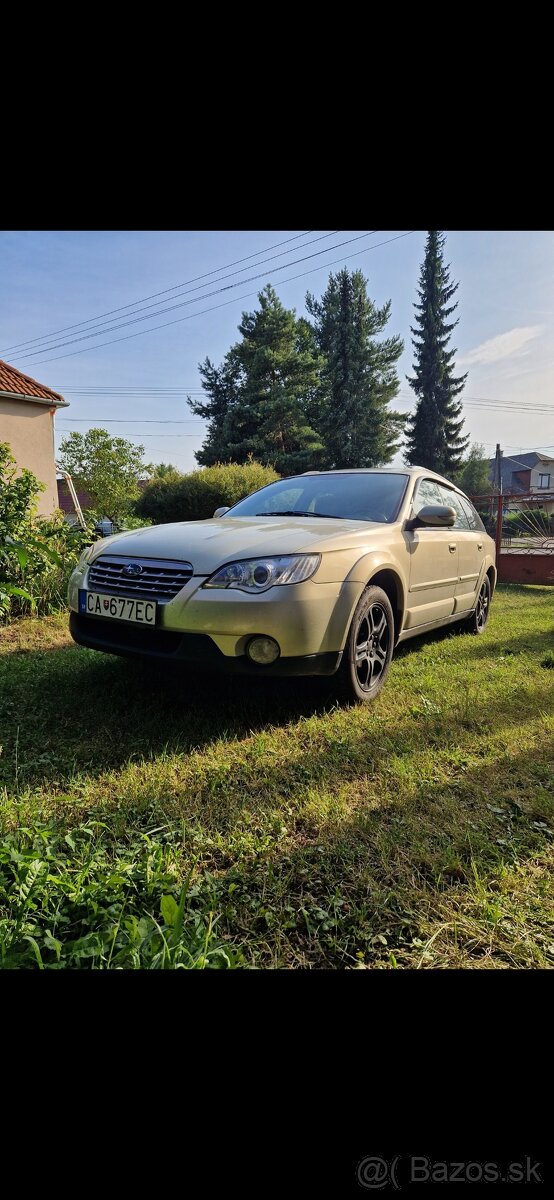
x=159 y=579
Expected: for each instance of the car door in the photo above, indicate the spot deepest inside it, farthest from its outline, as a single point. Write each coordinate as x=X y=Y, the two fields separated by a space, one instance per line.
x=433 y=563
x=471 y=553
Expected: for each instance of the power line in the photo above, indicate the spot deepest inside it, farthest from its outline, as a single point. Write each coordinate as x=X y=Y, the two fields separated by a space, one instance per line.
x=109 y=391
x=511 y=408
x=124 y=421
x=526 y=449
x=109 y=326
x=522 y=449
x=85 y=337
x=175 y=391
x=225 y=303
x=154 y=295
x=482 y=400
x=499 y=406
x=165 y=435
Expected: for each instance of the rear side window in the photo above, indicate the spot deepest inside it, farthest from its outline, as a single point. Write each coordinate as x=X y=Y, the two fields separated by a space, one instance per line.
x=473 y=517
x=455 y=502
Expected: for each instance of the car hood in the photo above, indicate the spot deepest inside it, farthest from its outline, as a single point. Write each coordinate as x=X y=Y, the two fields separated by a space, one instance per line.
x=209 y=544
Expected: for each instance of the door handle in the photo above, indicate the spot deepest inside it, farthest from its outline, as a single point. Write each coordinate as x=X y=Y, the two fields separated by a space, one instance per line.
x=452 y=547
x=479 y=545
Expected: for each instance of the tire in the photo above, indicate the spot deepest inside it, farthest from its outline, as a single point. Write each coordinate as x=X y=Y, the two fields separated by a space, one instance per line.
x=477 y=622
x=368 y=651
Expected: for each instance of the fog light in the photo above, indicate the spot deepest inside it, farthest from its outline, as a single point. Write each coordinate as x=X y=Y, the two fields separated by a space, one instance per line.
x=263 y=650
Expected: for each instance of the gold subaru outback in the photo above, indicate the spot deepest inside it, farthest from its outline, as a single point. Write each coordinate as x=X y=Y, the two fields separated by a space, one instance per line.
x=318 y=574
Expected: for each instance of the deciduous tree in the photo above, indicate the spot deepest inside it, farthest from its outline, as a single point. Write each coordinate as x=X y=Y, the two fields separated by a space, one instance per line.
x=107 y=468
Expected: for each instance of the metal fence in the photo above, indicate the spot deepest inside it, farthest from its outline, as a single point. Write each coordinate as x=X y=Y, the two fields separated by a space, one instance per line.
x=522 y=525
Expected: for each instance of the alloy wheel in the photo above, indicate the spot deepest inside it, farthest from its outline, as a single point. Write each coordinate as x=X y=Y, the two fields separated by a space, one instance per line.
x=482 y=607
x=371 y=646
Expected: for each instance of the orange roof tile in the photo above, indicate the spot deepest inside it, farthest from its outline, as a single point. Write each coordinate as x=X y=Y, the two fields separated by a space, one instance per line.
x=12 y=380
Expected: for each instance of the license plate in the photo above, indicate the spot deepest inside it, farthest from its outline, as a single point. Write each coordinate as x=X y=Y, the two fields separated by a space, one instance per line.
x=120 y=608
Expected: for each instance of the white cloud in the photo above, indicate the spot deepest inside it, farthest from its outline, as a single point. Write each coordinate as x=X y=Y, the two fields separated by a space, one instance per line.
x=504 y=345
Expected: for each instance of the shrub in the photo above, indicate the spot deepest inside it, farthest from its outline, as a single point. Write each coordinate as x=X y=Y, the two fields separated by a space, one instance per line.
x=37 y=554
x=55 y=550
x=18 y=496
x=195 y=497
x=35 y=568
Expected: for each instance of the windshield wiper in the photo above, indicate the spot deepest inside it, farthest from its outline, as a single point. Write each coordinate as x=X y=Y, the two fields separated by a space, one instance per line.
x=295 y=512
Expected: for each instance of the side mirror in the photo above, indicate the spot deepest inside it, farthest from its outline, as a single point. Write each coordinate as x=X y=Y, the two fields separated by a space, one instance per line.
x=220 y=512
x=439 y=516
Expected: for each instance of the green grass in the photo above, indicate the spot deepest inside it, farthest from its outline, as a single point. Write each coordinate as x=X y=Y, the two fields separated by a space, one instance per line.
x=169 y=820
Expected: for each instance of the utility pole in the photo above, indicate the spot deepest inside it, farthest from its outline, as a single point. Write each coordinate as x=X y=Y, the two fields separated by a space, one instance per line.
x=499 y=502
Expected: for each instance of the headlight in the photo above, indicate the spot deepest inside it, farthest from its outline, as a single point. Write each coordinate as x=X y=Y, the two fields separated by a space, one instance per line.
x=259 y=574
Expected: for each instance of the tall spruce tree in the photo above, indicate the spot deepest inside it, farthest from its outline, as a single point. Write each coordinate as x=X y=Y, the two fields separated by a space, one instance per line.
x=434 y=434
x=221 y=386
x=359 y=379
x=263 y=400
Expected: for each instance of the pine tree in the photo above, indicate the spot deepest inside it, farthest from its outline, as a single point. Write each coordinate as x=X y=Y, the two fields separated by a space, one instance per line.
x=263 y=399
x=434 y=436
x=359 y=379
x=221 y=386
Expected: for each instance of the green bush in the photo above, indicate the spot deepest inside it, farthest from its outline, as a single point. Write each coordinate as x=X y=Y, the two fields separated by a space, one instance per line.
x=195 y=497
x=37 y=554
x=56 y=549
x=19 y=493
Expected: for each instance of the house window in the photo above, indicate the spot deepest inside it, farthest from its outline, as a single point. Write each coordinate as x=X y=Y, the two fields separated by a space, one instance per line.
x=544 y=481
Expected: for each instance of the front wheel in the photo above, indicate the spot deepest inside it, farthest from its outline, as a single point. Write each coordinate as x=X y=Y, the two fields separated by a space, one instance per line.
x=369 y=646
x=480 y=615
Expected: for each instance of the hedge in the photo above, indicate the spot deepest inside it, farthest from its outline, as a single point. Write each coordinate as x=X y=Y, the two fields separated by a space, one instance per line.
x=194 y=497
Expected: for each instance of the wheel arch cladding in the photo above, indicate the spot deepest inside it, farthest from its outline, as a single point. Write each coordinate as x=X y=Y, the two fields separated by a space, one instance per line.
x=391 y=585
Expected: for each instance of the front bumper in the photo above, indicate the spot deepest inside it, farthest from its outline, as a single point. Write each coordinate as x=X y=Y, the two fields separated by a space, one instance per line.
x=306 y=619
x=131 y=641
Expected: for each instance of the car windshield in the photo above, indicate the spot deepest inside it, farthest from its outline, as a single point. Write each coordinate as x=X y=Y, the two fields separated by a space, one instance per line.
x=356 y=496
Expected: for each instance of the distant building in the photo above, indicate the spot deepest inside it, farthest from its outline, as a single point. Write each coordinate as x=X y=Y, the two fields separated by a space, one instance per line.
x=65 y=501
x=532 y=473
x=27 y=411
x=66 y=504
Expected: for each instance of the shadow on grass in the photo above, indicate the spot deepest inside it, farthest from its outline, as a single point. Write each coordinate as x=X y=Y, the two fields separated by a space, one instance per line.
x=434 y=864
x=382 y=855
x=84 y=712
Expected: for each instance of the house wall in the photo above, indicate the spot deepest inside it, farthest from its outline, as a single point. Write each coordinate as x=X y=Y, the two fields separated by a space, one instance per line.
x=29 y=431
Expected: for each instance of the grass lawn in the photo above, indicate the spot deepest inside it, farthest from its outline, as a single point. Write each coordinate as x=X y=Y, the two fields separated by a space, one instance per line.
x=155 y=820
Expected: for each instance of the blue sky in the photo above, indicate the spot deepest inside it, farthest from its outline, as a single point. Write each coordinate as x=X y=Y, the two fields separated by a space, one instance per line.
x=51 y=280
